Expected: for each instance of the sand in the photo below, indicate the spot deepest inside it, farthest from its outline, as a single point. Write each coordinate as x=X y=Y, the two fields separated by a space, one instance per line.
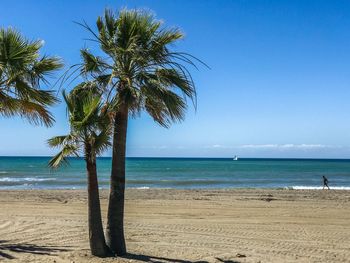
x=182 y=226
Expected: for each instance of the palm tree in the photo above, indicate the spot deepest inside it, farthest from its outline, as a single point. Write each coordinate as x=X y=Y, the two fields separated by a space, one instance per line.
x=90 y=131
x=22 y=71
x=139 y=72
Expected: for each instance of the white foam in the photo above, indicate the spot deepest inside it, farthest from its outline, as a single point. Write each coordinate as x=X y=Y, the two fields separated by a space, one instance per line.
x=26 y=179
x=142 y=187
x=302 y=187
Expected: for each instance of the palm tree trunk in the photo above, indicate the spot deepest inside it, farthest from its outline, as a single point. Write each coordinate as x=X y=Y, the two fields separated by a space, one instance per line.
x=97 y=241
x=115 y=224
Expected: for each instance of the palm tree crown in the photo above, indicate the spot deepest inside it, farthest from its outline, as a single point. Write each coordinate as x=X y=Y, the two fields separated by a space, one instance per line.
x=22 y=71
x=139 y=69
x=89 y=125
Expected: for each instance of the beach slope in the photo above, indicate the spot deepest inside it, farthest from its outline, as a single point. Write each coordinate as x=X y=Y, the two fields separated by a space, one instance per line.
x=182 y=226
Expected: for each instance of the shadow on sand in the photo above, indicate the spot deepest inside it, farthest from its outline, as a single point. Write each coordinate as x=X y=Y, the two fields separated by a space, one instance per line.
x=227 y=260
x=9 y=250
x=145 y=258
x=6 y=248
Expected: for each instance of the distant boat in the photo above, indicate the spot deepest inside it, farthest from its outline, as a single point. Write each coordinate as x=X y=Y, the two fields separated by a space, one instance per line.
x=235 y=158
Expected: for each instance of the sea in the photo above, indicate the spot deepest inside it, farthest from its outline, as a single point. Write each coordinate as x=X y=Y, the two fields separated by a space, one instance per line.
x=180 y=173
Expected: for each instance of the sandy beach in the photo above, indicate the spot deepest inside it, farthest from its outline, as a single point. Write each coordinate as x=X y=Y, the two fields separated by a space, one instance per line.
x=182 y=226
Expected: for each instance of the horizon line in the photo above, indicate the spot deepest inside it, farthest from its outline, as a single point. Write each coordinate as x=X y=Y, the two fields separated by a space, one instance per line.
x=186 y=157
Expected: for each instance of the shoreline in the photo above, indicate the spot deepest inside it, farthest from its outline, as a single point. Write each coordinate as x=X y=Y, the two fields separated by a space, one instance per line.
x=286 y=188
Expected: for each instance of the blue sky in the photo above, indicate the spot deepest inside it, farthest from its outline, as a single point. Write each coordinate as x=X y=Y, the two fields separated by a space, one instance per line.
x=279 y=83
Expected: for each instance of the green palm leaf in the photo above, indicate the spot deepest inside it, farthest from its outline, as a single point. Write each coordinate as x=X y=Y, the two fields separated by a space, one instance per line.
x=139 y=58
x=90 y=125
x=22 y=72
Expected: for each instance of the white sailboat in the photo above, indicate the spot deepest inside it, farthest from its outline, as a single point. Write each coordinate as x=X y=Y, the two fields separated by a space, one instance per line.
x=235 y=158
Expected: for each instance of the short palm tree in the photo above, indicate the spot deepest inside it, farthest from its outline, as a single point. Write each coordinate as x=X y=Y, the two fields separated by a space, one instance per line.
x=90 y=131
x=22 y=71
x=139 y=72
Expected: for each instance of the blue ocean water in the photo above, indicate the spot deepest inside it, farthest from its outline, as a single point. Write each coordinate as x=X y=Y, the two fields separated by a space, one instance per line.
x=33 y=173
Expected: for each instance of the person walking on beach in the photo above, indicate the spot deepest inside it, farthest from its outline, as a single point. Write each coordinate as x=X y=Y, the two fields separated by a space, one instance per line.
x=325 y=182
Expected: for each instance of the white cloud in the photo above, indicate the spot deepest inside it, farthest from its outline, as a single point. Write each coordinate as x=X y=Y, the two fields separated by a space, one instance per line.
x=160 y=147
x=180 y=147
x=285 y=146
x=217 y=146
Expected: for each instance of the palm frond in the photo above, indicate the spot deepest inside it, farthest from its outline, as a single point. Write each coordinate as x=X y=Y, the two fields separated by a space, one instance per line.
x=35 y=113
x=91 y=63
x=102 y=141
x=24 y=90
x=61 y=157
x=21 y=72
x=44 y=67
x=58 y=141
x=163 y=105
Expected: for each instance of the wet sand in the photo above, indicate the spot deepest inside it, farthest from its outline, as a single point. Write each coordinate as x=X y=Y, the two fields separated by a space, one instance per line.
x=182 y=226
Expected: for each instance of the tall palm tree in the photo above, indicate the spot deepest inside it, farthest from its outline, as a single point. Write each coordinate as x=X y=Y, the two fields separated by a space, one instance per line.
x=90 y=131
x=22 y=71
x=139 y=72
